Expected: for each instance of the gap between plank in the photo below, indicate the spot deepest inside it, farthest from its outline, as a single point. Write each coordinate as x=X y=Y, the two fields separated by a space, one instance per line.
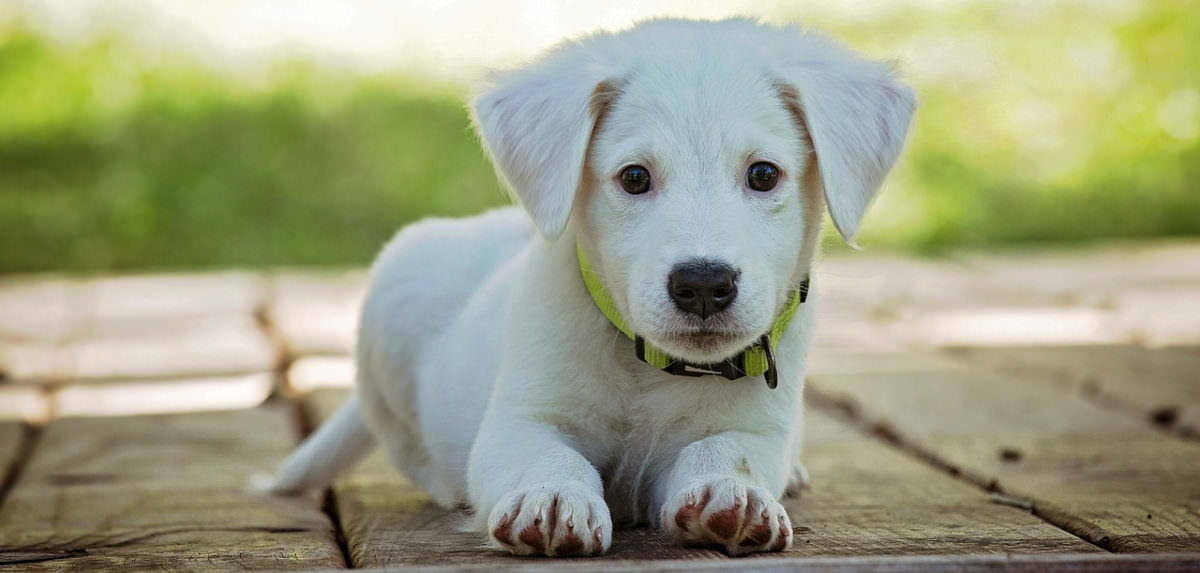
x=30 y=435
x=848 y=412
x=304 y=423
x=282 y=389
x=1163 y=419
x=1091 y=388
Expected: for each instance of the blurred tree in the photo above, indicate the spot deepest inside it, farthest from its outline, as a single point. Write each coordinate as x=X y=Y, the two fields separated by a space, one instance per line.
x=1055 y=121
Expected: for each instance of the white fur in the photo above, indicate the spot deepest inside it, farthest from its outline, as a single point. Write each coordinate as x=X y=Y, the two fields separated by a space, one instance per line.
x=486 y=370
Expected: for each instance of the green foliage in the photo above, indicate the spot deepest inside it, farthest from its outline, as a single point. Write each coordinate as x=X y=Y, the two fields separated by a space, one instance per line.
x=1060 y=121
x=1057 y=121
x=103 y=166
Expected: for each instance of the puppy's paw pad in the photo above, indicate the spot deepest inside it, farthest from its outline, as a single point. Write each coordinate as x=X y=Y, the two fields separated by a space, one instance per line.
x=726 y=513
x=552 y=519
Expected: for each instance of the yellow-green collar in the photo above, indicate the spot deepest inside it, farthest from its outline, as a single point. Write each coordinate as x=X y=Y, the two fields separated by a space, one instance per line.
x=757 y=360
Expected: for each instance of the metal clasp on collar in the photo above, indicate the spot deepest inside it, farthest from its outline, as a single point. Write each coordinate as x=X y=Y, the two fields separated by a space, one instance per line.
x=730 y=369
x=772 y=373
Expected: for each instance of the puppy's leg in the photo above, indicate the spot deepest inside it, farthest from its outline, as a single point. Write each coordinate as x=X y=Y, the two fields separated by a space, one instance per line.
x=720 y=494
x=540 y=495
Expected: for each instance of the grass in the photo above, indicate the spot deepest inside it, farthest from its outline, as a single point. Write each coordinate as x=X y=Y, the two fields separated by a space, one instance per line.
x=1068 y=125
x=194 y=172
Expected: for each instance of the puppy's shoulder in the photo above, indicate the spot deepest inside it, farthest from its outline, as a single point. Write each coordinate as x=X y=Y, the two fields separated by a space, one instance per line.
x=431 y=267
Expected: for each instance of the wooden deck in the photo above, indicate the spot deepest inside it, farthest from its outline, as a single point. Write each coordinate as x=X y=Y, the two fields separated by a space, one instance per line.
x=989 y=412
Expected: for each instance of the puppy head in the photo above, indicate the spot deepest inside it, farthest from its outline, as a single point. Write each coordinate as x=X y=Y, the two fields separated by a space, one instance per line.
x=694 y=160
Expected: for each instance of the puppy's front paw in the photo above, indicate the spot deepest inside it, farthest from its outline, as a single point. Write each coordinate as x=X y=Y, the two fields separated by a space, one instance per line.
x=552 y=519
x=726 y=513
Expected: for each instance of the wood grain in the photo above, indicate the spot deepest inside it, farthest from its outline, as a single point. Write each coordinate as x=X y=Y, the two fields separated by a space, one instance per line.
x=1160 y=385
x=231 y=344
x=38 y=308
x=162 y=492
x=1110 y=478
x=12 y=435
x=998 y=563
x=317 y=313
x=867 y=500
x=24 y=402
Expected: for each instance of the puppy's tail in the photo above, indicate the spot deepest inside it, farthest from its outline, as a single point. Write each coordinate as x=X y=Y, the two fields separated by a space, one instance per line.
x=338 y=445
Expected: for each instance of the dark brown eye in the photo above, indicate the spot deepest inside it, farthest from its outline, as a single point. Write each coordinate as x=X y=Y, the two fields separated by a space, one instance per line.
x=762 y=176
x=635 y=179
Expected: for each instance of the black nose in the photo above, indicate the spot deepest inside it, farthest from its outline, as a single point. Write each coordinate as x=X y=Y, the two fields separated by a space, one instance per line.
x=702 y=287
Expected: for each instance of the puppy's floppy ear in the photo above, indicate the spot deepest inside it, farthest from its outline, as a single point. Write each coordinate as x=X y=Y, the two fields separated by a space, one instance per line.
x=536 y=124
x=854 y=110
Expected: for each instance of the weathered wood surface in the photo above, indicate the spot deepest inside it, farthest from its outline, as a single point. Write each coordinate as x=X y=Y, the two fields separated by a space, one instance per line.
x=309 y=373
x=157 y=396
x=968 y=371
x=51 y=309
x=163 y=493
x=317 y=313
x=84 y=347
x=869 y=500
x=1132 y=293
x=231 y=344
x=154 y=326
x=39 y=308
x=11 y=436
x=1112 y=479
x=24 y=402
x=1075 y=563
x=1162 y=385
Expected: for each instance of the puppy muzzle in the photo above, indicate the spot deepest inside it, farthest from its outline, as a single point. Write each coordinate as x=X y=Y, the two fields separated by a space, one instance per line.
x=757 y=360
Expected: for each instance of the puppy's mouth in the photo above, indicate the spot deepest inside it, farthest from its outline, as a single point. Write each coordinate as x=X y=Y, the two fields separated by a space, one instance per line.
x=714 y=345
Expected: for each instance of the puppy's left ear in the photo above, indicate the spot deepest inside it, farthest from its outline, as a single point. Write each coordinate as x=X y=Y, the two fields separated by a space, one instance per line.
x=536 y=124
x=856 y=114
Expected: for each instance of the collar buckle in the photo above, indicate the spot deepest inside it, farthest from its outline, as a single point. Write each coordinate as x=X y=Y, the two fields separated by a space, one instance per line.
x=725 y=369
x=772 y=373
x=730 y=369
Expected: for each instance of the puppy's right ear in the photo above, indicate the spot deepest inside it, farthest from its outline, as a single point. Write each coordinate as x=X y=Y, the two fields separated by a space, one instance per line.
x=855 y=112
x=536 y=124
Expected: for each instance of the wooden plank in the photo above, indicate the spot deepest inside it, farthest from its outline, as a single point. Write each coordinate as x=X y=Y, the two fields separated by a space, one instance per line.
x=1012 y=325
x=867 y=499
x=117 y=305
x=24 y=402
x=163 y=493
x=11 y=436
x=154 y=326
x=831 y=360
x=38 y=360
x=38 y=308
x=228 y=344
x=1089 y=275
x=235 y=346
x=50 y=309
x=1162 y=315
x=317 y=313
x=139 y=397
x=1111 y=479
x=997 y=563
x=938 y=302
x=1162 y=385
x=309 y=373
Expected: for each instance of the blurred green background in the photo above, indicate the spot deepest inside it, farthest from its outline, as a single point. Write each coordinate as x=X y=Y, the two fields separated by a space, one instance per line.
x=1039 y=122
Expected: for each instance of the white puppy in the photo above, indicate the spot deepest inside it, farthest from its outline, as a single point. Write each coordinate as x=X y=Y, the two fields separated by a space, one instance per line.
x=683 y=168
